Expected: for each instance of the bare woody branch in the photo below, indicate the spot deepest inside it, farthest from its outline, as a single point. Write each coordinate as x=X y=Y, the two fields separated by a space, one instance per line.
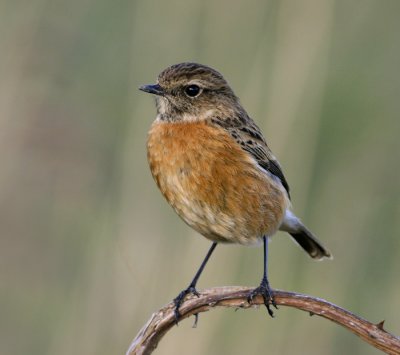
x=163 y=320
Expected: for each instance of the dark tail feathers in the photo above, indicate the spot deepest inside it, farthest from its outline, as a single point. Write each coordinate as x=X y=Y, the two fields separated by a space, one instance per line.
x=310 y=244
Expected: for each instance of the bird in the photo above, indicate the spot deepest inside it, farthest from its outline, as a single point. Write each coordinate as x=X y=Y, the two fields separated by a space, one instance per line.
x=212 y=164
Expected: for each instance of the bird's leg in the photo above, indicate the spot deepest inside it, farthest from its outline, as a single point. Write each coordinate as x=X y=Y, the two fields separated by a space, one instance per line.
x=192 y=287
x=264 y=289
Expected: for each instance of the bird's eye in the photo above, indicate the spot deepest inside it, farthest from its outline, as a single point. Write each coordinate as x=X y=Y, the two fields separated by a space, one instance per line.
x=192 y=90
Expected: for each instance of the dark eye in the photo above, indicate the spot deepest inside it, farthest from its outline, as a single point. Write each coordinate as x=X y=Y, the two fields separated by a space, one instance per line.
x=192 y=90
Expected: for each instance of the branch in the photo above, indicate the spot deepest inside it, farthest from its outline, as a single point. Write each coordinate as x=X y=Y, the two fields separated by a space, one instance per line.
x=163 y=320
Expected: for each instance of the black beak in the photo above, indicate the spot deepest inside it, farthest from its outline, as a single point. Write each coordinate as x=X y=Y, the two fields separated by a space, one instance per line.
x=153 y=89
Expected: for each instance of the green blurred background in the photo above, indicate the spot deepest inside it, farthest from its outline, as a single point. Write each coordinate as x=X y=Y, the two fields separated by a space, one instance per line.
x=89 y=248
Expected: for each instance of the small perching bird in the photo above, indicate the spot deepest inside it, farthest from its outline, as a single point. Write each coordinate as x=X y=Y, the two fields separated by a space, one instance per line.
x=214 y=167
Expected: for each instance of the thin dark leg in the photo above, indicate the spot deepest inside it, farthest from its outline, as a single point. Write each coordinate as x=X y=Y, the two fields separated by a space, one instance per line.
x=265 y=241
x=192 y=287
x=264 y=289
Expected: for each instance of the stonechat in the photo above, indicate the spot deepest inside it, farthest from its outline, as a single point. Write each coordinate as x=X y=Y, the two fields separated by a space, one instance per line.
x=214 y=167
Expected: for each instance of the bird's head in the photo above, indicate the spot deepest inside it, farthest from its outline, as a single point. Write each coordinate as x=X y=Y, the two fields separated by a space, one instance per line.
x=192 y=92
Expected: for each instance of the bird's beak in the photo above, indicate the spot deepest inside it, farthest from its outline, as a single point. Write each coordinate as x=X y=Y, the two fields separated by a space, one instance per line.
x=153 y=89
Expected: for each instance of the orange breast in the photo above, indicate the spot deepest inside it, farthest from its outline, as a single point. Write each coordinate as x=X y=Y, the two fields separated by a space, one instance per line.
x=214 y=186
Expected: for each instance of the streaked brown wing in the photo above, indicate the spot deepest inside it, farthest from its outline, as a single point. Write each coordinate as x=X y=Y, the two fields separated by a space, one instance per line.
x=248 y=135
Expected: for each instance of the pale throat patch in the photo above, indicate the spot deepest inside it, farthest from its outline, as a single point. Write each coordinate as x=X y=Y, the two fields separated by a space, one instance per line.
x=162 y=109
x=161 y=104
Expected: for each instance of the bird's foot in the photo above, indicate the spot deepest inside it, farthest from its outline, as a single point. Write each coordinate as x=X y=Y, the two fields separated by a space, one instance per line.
x=266 y=292
x=180 y=298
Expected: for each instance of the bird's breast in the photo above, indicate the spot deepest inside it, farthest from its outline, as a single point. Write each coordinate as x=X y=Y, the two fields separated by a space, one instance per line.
x=215 y=186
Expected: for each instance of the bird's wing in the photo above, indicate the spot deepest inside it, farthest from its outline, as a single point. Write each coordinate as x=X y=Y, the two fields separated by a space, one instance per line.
x=247 y=134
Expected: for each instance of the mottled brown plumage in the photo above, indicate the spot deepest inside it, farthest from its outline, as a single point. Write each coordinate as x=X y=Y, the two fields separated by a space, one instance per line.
x=214 y=167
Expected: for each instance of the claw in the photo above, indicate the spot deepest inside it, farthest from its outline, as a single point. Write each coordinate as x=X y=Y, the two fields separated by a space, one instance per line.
x=179 y=300
x=268 y=296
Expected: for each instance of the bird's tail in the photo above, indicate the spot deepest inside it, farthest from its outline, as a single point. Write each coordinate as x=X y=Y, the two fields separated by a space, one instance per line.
x=310 y=244
x=304 y=237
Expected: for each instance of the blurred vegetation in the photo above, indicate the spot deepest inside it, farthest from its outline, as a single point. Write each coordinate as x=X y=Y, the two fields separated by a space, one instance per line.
x=88 y=246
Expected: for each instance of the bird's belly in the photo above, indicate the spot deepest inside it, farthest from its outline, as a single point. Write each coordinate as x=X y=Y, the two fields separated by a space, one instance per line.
x=213 y=185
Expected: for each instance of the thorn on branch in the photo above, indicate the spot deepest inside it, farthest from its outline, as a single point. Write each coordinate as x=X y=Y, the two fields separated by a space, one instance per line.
x=380 y=325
